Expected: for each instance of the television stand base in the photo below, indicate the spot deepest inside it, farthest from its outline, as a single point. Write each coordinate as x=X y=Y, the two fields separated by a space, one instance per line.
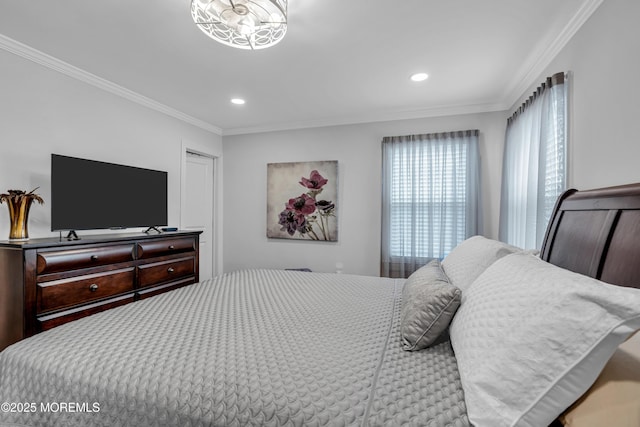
x=152 y=228
x=72 y=235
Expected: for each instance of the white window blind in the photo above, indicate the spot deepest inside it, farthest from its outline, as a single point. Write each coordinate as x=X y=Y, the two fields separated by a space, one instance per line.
x=430 y=197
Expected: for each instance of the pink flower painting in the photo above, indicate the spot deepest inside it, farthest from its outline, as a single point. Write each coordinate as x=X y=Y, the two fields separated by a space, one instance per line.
x=301 y=200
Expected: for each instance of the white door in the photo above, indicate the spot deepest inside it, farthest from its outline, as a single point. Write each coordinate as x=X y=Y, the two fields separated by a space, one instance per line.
x=198 y=207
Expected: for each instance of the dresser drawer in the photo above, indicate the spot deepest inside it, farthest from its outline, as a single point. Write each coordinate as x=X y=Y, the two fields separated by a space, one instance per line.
x=156 y=290
x=63 y=293
x=154 y=248
x=52 y=320
x=73 y=259
x=166 y=271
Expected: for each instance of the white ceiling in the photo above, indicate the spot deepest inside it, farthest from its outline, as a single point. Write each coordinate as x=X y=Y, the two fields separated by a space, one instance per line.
x=342 y=61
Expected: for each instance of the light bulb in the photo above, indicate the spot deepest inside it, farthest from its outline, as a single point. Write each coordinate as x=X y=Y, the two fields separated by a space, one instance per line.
x=246 y=26
x=419 y=77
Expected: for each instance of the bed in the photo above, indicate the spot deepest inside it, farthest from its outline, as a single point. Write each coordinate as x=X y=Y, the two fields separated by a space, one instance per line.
x=271 y=347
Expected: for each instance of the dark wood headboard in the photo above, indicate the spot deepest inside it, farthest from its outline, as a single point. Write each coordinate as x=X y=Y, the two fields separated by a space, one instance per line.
x=597 y=233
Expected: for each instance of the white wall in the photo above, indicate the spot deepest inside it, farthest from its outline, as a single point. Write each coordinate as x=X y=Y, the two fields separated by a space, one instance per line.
x=604 y=61
x=43 y=112
x=358 y=151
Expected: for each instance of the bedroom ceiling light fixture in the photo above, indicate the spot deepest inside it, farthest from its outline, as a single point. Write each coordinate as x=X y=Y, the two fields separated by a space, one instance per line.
x=419 y=77
x=245 y=24
x=237 y=101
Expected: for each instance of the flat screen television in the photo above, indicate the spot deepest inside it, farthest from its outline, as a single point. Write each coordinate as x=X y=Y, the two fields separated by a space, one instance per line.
x=88 y=194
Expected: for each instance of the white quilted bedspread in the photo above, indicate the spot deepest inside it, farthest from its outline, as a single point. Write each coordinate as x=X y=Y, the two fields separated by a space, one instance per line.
x=256 y=347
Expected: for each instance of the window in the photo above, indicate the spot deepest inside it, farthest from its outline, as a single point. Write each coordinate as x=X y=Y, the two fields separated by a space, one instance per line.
x=534 y=164
x=430 y=196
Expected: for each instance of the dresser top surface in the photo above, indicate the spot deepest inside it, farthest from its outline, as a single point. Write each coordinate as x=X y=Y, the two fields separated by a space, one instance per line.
x=92 y=239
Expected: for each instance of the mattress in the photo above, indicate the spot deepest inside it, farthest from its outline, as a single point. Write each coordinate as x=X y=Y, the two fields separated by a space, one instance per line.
x=250 y=348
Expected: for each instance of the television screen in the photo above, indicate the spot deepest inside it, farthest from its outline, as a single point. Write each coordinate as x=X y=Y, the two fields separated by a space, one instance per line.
x=88 y=194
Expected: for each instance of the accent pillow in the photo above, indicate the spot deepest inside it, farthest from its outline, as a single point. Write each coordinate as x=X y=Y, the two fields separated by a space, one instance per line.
x=471 y=257
x=429 y=302
x=530 y=338
x=614 y=399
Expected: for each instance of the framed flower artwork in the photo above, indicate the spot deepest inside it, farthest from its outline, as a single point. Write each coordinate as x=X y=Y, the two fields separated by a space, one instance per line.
x=302 y=199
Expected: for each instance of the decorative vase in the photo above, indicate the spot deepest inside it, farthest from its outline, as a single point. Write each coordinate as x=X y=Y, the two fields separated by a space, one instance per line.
x=19 y=203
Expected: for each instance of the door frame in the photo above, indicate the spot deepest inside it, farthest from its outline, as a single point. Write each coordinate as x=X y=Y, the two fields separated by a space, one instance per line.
x=206 y=151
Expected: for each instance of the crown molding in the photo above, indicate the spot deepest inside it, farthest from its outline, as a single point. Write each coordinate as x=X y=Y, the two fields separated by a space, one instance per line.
x=542 y=58
x=384 y=116
x=48 y=61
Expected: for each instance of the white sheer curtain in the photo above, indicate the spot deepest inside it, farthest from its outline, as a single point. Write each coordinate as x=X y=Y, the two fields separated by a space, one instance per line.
x=430 y=197
x=534 y=164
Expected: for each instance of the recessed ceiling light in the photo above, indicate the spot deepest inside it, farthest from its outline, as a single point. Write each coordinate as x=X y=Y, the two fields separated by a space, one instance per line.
x=237 y=101
x=419 y=77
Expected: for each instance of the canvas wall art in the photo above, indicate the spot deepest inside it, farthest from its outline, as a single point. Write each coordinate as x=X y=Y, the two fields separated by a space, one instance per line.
x=302 y=200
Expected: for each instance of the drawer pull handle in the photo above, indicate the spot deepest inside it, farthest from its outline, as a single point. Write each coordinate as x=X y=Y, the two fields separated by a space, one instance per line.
x=170 y=270
x=94 y=257
x=93 y=287
x=171 y=247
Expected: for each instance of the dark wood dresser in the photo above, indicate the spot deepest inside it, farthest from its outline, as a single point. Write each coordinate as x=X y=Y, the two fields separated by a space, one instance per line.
x=47 y=282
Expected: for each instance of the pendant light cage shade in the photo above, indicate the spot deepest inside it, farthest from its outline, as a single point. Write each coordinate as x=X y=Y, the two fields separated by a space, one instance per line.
x=245 y=24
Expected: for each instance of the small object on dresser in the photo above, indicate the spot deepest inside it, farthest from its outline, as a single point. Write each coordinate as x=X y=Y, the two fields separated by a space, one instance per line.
x=165 y=229
x=19 y=202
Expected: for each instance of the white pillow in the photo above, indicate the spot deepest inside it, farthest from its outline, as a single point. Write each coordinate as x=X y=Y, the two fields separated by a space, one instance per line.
x=470 y=258
x=530 y=338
